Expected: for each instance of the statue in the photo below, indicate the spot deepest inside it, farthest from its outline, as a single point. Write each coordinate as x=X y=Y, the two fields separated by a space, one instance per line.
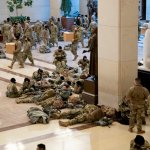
x=93 y=48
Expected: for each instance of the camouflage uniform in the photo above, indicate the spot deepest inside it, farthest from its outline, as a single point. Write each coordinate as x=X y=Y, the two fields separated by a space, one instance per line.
x=38 y=30
x=60 y=60
x=54 y=34
x=74 y=45
x=137 y=96
x=80 y=35
x=27 y=52
x=6 y=32
x=83 y=63
x=133 y=146
x=39 y=76
x=12 y=91
x=89 y=113
x=26 y=88
x=28 y=33
x=45 y=36
x=17 y=55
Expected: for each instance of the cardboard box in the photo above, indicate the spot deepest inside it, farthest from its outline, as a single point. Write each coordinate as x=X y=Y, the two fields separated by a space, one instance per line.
x=10 y=48
x=68 y=36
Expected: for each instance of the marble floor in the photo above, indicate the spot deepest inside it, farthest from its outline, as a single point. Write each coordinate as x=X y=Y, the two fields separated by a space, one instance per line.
x=16 y=132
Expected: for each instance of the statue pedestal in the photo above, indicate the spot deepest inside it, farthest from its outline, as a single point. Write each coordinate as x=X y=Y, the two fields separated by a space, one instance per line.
x=90 y=93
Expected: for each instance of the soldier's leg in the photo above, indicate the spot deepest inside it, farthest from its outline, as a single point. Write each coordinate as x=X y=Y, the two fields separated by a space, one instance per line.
x=24 y=57
x=13 y=61
x=74 y=50
x=139 y=120
x=30 y=58
x=82 y=42
x=133 y=113
x=20 y=59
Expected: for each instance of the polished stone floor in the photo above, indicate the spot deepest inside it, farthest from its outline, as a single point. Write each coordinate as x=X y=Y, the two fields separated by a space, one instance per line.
x=16 y=133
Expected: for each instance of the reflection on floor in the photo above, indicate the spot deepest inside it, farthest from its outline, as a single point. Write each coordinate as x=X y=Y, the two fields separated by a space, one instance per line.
x=16 y=133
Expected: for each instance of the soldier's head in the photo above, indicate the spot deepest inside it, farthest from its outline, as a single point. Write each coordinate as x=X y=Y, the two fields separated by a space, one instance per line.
x=78 y=83
x=40 y=71
x=62 y=78
x=17 y=36
x=84 y=58
x=41 y=147
x=137 y=81
x=139 y=140
x=69 y=83
x=59 y=48
x=13 y=80
x=26 y=80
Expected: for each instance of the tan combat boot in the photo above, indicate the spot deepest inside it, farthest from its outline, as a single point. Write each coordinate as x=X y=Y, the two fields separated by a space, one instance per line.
x=64 y=124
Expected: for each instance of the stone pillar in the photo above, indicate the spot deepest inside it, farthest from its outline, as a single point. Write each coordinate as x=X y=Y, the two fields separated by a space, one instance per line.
x=83 y=7
x=117 y=58
x=55 y=8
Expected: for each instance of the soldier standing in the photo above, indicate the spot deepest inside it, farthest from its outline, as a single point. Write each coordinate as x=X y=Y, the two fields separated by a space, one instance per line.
x=74 y=45
x=38 y=30
x=6 y=31
x=54 y=34
x=45 y=35
x=60 y=59
x=17 y=55
x=137 y=96
x=27 y=51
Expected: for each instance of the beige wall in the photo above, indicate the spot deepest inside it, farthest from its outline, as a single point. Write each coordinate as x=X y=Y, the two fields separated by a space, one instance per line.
x=117 y=48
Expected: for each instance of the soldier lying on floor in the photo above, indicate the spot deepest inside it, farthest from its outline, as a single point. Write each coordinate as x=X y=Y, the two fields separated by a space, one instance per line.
x=37 y=98
x=90 y=113
x=36 y=115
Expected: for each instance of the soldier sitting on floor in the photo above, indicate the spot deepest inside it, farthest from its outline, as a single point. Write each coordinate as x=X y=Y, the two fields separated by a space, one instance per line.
x=139 y=143
x=83 y=62
x=90 y=113
x=27 y=87
x=60 y=59
x=39 y=75
x=12 y=90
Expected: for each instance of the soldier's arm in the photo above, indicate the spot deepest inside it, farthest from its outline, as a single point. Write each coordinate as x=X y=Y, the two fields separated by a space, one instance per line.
x=129 y=95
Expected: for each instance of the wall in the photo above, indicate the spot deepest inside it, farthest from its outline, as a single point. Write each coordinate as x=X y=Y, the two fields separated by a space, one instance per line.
x=40 y=10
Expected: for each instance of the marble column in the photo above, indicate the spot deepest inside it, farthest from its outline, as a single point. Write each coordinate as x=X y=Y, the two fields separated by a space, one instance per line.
x=55 y=8
x=117 y=49
x=83 y=7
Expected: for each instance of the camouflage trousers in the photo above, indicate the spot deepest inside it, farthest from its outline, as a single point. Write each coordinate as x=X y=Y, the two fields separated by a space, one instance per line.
x=136 y=115
x=60 y=65
x=79 y=116
x=74 y=48
x=29 y=56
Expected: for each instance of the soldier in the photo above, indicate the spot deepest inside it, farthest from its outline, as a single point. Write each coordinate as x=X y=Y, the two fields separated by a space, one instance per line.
x=38 y=30
x=38 y=75
x=41 y=147
x=80 y=35
x=137 y=96
x=17 y=55
x=78 y=87
x=19 y=29
x=27 y=51
x=92 y=25
x=28 y=33
x=45 y=35
x=139 y=143
x=26 y=87
x=12 y=90
x=6 y=31
x=60 y=59
x=86 y=22
x=74 y=45
x=83 y=62
x=90 y=113
x=54 y=34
